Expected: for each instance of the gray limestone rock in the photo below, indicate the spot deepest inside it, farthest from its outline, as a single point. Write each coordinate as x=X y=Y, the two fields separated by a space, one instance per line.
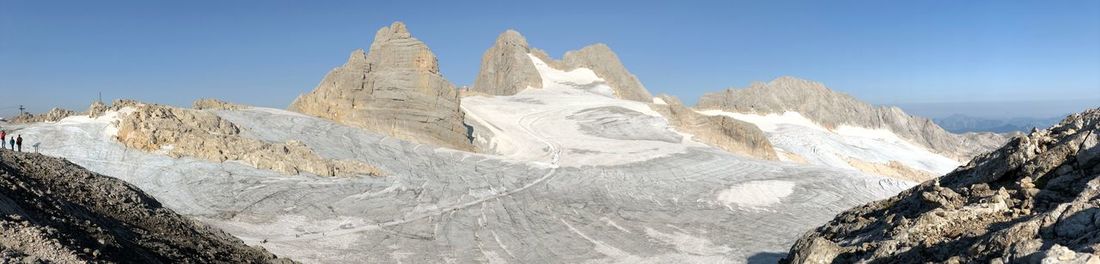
x=1033 y=200
x=723 y=132
x=831 y=109
x=202 y=134
x=395 y=89
x=505 y=68
x=53 y=211
x=600 y=59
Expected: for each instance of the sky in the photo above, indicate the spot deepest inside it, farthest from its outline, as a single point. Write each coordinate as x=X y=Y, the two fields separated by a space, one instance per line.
x=968 y=54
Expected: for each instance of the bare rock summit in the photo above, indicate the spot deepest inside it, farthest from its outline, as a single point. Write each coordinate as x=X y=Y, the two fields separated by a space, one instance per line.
x=394 y=89
x=506 y=69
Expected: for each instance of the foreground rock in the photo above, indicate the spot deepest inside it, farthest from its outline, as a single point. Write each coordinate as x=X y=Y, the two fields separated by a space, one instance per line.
x=832 y=109
x=506 y=69
x=395 y=89
x=1033 y=200
x=719 y=131
x=205 y=135
x=57 y=212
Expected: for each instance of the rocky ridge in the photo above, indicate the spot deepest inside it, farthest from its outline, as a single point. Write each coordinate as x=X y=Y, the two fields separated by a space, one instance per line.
x=395 y=89
x=205 y=135
x=1033 y=200
x=506 y=69
x=719 y=131
x=53 y=115
x=832 y=109
x=53 y=211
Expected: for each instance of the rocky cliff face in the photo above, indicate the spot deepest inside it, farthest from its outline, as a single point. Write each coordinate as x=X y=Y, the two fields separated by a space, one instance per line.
x=53 y=211
x=395 y=89
x=831 y=109
x=205 y=135
x=1033 y=200
x=723 y=132
x=600 y=59
x=506 y=69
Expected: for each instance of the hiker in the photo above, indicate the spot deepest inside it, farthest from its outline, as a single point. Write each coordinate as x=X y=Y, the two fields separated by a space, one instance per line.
x=3 y=139
x=19 y=141
x=12 y=143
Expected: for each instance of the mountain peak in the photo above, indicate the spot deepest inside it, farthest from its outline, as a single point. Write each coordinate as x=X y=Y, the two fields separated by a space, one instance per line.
x=512 y=37
x=389 y=89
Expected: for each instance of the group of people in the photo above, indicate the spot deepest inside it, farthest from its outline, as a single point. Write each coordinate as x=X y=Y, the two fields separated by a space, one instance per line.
x=15 y=142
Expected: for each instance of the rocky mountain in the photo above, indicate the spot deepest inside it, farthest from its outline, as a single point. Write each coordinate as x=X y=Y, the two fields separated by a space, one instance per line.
x=395 y=89
x=832 y=109
x=1033 y=200
x=506 y=68
x=53 y=211
x=962 y=123
x=723 y=132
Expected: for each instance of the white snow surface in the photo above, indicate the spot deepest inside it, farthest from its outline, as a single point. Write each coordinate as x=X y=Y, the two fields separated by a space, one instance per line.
x=791 y=132
x=668 y=203
x=522 y=124
x=756 y=194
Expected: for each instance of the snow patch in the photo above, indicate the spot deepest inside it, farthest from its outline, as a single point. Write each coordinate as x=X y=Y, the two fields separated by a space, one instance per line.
x=531 y=124
x=756 y=194
x=793 y=133
x=658 y=100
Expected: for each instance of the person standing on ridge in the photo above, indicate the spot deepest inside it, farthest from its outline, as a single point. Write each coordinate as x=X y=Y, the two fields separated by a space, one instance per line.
x=12 y=142
x=19 y=141
x=3 y=139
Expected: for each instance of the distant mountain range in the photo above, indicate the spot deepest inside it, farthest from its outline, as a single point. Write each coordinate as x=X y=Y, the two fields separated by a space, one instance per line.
x=958 y=123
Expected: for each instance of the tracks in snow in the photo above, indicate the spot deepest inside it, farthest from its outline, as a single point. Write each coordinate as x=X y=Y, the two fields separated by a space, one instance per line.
x=526 y=123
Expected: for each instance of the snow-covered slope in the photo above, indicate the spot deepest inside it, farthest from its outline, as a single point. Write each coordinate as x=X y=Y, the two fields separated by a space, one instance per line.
x=580 y=116
x=685 y=203
x=792 y=133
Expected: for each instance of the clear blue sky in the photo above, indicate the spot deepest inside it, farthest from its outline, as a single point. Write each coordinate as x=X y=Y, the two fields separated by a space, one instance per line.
x=61 y=53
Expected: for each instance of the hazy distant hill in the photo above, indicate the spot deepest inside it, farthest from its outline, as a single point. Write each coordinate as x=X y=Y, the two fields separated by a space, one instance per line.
x=962 y=123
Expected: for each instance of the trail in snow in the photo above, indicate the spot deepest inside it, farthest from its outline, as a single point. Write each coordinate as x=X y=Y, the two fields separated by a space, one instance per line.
x=345 y=230
x=556 y=193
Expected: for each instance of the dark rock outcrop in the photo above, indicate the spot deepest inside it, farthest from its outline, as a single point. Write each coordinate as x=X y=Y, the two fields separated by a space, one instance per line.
x=54 y=211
